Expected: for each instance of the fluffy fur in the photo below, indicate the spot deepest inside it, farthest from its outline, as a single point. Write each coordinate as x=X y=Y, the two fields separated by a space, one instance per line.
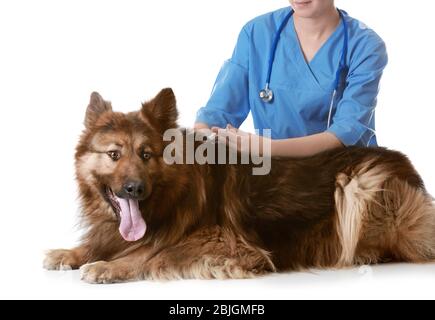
x=337 y=209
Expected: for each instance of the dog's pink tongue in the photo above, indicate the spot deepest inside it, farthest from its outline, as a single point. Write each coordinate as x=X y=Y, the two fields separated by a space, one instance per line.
x=133 y=226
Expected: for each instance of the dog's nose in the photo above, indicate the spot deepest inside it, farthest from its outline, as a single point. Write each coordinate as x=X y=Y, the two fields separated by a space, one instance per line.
x=134 y=189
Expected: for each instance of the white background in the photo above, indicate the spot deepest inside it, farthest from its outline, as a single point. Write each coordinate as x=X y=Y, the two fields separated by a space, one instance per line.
x=53 y=54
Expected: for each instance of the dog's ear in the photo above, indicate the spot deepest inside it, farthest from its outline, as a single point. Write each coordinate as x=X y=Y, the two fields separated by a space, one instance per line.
x=97 y=106
x=163 y=109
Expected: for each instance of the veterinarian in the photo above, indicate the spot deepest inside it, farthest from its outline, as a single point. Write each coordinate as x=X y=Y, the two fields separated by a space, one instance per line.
x=309 y=73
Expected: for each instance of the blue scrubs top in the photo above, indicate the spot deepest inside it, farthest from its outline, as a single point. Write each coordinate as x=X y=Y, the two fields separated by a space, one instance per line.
x=302 y=91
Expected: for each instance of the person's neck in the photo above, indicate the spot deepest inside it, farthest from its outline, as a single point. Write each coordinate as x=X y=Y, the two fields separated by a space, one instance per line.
x=317 y=27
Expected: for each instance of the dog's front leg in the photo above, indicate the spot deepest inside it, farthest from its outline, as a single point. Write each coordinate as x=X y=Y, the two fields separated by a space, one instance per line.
x=125 y=269
x=65 y=259
x=207 y=254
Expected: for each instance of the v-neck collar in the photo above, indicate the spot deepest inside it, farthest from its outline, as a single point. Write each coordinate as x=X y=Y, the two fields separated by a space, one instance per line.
x=304 y=66
x=322 y=47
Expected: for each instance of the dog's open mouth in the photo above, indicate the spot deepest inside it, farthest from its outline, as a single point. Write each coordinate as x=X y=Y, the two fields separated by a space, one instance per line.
x=112 y=200
x=132 y=225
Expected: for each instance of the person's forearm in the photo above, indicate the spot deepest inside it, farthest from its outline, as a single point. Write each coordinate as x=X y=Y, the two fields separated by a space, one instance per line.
x=201 y=126
x=305 y=146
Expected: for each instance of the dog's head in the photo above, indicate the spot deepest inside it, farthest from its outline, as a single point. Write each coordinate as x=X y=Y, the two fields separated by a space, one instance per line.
x=119 y=157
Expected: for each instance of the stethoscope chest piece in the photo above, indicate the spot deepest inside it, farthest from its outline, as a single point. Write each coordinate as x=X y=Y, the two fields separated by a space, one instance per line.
x=266 y=94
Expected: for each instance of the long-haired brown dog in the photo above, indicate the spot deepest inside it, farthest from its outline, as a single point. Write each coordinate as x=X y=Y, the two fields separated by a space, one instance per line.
x=146 y=219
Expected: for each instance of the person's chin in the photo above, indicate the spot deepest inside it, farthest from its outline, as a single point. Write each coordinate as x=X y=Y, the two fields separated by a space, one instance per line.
x=302 y=5
x=304 y=9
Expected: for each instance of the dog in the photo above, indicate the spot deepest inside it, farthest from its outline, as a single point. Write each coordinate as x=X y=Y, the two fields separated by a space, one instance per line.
x=148 y=220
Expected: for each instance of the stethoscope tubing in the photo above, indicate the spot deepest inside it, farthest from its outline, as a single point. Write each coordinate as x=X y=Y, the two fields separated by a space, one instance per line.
x=267 y=94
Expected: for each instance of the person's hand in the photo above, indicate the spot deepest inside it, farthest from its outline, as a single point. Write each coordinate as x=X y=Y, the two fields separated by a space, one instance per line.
x=239 y=140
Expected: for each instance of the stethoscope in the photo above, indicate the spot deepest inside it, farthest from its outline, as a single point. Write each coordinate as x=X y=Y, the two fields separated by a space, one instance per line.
x=267 y=94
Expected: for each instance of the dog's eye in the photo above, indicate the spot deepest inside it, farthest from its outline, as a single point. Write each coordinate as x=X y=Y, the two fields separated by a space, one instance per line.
x=146 y=156
x=114 y=155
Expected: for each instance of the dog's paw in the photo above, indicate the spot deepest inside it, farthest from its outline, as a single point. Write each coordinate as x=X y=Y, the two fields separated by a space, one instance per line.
x=97 y=273
x=107 y=272
x=60 y=260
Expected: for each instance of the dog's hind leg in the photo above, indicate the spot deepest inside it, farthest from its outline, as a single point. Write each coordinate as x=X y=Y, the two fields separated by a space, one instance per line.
x=413 y=227
x=381 y=217
x=399 y=225
x=207 y=254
